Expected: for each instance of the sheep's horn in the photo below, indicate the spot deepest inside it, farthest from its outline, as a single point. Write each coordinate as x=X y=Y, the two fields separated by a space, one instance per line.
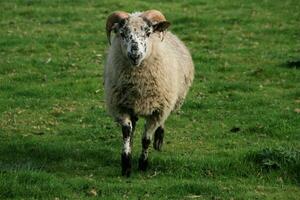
x=158 y=21
x=112 y=19
x=153 y=16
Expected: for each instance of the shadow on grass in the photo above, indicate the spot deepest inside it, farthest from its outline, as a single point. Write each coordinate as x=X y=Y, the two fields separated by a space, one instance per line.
x=292 y=64
x=94 y=157
x=265 y=162
x=198 y=166
x=284 y=161
x=58 y=156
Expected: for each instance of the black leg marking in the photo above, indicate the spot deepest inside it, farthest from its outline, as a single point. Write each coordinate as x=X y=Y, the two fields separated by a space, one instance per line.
x=143 y=163
x=145 y=143
x=158 y=138
x=126 y=154
x=126 y=131
x=126 y=164
x=134 y=119
x=143 y=160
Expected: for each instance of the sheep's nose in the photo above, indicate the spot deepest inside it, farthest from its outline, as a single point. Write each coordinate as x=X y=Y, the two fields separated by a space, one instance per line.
x=133 y=56
x=134 y=47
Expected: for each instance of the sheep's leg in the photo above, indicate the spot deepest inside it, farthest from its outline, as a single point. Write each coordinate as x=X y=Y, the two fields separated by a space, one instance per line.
x=150 y=127
x=134 y=119
x=127 y=128
x=158 y=138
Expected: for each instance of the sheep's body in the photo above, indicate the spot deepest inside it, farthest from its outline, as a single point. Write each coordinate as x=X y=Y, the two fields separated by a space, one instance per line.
x=159 y=85
x=144 y=76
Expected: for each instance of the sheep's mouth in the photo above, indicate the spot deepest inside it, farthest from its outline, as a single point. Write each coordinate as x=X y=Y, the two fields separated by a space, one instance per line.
x=135 y=63
x=134 y=59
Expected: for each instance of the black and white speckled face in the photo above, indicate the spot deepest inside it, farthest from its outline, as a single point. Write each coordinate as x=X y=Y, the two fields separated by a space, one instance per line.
x=134 y=33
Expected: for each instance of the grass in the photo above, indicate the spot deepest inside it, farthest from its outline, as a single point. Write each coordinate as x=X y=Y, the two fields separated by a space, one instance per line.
x=236 y=137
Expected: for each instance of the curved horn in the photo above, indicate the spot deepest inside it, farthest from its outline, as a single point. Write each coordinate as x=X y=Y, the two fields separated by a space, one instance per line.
x=153 y=16
x=158 y=21
x=112 y=20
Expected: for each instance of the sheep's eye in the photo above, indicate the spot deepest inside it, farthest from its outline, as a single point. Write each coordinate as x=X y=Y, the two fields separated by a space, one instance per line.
x=147 y=31
x=122 y=34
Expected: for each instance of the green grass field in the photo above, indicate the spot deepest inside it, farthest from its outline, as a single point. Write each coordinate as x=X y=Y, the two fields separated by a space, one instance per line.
x=236 y=137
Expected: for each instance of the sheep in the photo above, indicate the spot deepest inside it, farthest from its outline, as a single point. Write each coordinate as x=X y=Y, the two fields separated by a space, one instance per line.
x=147 y=74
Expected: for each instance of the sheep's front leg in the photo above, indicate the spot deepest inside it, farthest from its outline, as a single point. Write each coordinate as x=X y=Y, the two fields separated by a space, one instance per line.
x=150 y=127
x=134 y=120
x=158 y=138
x=127 y=129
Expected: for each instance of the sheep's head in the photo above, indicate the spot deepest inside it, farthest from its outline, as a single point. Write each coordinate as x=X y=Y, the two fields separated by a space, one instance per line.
x=134 y=31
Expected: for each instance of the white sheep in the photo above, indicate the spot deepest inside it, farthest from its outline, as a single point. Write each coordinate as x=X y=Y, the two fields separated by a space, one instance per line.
x=148 y=73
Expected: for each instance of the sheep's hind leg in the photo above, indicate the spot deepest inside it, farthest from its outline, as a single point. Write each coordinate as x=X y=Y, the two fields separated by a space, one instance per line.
x=150 y=127
x=158 y=138
x=126 y=151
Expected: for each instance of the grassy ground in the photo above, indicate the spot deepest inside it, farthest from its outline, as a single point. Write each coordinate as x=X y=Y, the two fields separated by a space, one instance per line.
x=236 y=137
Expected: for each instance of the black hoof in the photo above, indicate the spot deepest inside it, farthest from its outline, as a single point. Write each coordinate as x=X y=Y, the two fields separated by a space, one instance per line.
x=143 y=163
x=126 y=164
x=158 y=139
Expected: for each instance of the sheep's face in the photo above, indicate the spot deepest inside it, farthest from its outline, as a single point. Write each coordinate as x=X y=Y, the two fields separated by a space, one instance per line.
x=134 y=33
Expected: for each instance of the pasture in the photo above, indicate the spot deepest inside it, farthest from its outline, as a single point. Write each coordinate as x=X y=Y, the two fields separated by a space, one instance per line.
x=236 y=137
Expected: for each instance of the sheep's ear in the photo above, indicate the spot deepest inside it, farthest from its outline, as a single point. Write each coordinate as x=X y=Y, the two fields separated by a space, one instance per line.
x=113 y=20
x=161 y=26
x=118 y=25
